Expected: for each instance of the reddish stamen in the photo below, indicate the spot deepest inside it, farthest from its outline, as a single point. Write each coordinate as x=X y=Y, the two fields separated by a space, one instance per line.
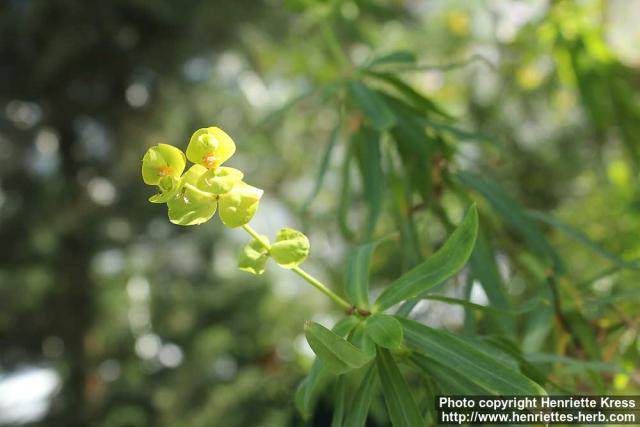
x=209 y=160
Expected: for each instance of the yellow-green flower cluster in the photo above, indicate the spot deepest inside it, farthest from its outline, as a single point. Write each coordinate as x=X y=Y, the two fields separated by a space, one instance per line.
x=193 y=197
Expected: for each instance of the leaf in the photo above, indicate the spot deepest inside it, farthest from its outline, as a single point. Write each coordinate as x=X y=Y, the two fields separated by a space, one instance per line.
x=253 y=257
x=449 y=379
x=475 y=365
x=360 y=339
x=402 y=408
x=512 y=214
x=290 y=249
x=395 y=57
x=372 y=106
x=336 y=353
x=345 y=194
x=418 y=100
x=582 y=238
x=324 y=164
x=416 y=148
x=313 y=384
x=339 y=402
x=578 y=365
x=310 y=388
x=512 y=349
x=356 y=276
x=485 y=270
x=514 y=312
x=446 y=262
x=384 y=330
x=357 y=415
x=366 y=144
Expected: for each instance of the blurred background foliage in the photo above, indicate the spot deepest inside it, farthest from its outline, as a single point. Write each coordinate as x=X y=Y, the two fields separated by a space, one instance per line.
x=358 y=118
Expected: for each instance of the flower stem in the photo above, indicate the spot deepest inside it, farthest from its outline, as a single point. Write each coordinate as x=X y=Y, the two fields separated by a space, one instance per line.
x=300 y=272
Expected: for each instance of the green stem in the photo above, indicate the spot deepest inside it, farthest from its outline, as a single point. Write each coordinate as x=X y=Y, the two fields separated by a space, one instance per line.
x=300 y=272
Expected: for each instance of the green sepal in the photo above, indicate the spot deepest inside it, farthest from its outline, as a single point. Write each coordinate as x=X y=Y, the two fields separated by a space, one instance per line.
x=210 y=147
x=253 y=257
x=160 y=161
x=190 y=206
x=220 y=180
x=239 y=205
x=291 y=248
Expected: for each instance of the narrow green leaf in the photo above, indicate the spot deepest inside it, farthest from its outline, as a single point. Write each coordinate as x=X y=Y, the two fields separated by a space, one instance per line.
x=511 y=348
x=339 y=402
x=402 y=408
x=443 y=264
x=512 y=213
x=395 y=57
x=356 y=276
x=314 y=383
x=418 y=100
x=345 y=194
x=357 y=415
x=449 y=380
x=415 y=147
x=578 y=365
x=485 y=270
x=582 y=238
x=360 y=339
x=384 y=330
x=336 y=353
x=310 y=388
x=467 y=359
x=324 y=164
x=487 y=309
x=366 y=143
x=372 y=106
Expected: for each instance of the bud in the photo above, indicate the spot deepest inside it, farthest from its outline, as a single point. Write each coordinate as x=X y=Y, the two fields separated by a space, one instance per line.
x=291 y=248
